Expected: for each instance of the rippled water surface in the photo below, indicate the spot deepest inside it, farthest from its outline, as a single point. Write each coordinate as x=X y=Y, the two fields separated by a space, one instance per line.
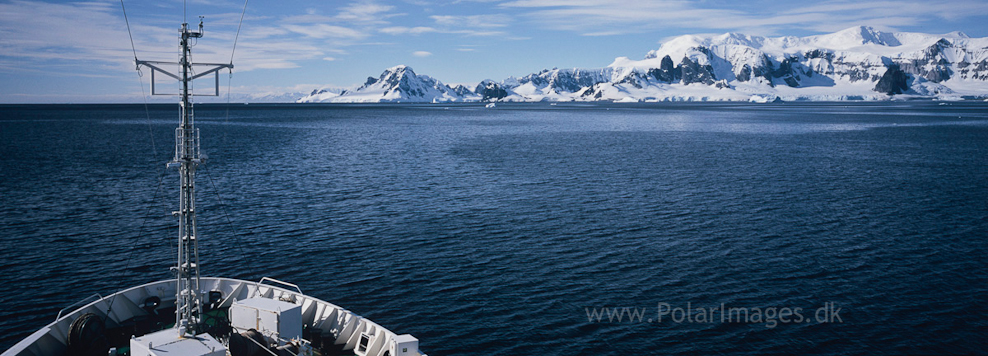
x=497 y=231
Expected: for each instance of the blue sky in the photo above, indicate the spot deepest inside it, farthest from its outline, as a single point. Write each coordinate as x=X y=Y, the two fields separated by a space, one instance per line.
x=61 y=51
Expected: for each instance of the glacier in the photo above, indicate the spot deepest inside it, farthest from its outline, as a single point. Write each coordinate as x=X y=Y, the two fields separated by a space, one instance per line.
x=859 y=63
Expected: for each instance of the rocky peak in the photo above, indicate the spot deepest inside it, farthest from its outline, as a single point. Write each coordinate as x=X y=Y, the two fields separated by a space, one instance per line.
x=894 y=81
x=489 y=90
x=848 y=63
x=462 y=90
x=694 y=72
x=862 y=35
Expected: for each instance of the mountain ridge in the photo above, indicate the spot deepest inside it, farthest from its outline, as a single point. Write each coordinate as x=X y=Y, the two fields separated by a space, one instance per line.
x=858 y=63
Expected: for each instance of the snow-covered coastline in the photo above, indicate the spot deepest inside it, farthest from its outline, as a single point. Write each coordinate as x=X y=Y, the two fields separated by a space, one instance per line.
x=858 y=63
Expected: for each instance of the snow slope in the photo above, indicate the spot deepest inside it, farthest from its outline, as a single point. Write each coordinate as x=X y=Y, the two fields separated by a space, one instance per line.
x=859 y=63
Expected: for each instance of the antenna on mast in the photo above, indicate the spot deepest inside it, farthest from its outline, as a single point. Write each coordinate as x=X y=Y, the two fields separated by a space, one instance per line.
x=188 y=302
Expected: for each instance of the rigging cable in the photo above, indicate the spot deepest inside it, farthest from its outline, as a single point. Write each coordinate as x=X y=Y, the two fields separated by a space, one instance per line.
x=216 y=191
x=154 y=152
x=229 y=81
x=128 y=30
x=140 y=79
x=140 y=233
x=147 y=113
x=226 y=214
x=238 y=33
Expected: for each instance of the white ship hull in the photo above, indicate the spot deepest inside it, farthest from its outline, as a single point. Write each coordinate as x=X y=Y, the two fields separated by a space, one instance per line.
x=329 y=323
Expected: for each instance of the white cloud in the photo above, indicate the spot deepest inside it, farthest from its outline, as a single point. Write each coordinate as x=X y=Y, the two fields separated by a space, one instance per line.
x=325 y=31
x=353 y=22
x=366 y=11
x=598 y=17
x=477 y=21
x=422 y=54
x=44 y=34
x=90 y=39
x=481 y=33
x=604 y=33
x=402 y=30
x=839 y=14
x=611 y=17
x=328 y=59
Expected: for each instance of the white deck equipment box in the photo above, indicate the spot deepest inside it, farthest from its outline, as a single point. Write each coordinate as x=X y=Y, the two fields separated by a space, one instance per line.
x=407 y=345
x=167 y=343
x=274 y=319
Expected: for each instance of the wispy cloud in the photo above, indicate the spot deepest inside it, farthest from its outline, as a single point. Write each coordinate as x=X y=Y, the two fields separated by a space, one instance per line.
x=268 y=41
x=90 y=39
x=613 y=17
x=354 y=21
x=402 y=30
x=422 y=54
x=350 y=25
x=838 y=14
x=596 y=17
x=366 y=12
x=475 y=21
x=326 y=31
x=85 y=32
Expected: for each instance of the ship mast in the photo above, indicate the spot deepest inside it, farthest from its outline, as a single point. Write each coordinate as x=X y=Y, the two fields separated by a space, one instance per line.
x=188 y=300
x=189 y=306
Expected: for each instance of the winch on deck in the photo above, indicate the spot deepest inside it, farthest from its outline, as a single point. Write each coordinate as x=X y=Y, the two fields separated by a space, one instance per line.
x=277 y=320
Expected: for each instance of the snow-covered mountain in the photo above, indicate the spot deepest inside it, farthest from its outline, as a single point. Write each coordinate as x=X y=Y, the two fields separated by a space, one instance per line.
x=858 y=63
x=396 y=84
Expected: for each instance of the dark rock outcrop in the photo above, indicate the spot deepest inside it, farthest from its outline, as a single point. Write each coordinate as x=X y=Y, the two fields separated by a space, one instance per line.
x=462 y=90
x=894 y=81
x=786 y=72
x=489 y=90
x=927 y=68
x=693 y=72
x=819 y=53
x=666 y=72
x=978 y=70
x=764 y=70
x=634 y=79
x=538 y=79
x=745 y=74
x=592 y=91
x=934 y=65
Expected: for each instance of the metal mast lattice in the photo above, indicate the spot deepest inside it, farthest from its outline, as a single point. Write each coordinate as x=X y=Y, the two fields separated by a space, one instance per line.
x=189 y=296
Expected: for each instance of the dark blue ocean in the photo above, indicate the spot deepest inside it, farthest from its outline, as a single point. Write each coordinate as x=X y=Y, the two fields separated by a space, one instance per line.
x=519 y=230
